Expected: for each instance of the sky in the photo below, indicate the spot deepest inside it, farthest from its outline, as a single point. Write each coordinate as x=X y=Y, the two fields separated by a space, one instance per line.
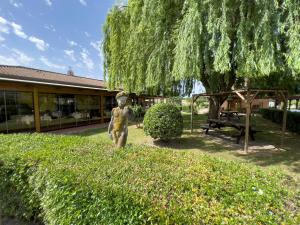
x=54 y=35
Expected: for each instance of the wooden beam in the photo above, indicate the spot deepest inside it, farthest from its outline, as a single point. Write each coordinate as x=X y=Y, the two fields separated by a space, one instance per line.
x=37 y=119
x=240 y=95
x=254 y=96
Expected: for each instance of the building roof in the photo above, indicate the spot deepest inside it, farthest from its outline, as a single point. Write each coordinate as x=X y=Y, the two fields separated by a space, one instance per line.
x=30 y=75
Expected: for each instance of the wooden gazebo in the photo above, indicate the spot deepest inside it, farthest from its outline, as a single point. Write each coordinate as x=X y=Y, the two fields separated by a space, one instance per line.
x=247 y=96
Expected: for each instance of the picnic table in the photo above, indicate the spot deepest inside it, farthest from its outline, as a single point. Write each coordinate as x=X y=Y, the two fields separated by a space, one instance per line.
x=219 y=123
x=230 y=115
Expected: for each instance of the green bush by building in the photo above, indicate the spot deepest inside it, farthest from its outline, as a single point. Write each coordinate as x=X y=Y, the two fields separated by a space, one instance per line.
x=163 y=121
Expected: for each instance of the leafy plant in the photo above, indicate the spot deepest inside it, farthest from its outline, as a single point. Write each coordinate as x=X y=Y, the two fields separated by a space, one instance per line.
x=163 y=121
x=72 y=180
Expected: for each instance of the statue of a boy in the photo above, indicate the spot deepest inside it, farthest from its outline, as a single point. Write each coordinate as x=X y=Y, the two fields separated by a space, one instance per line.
x=118 y=126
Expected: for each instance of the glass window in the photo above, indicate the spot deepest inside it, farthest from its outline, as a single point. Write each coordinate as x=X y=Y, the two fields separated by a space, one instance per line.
x=64 y=110
x=19 y=111
x=3 y=124
x=69 y=117
x=49 y=111
x=94 y=108
x=110 y=103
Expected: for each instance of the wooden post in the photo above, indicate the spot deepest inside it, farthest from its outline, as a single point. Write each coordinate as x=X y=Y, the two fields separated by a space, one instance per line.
x=192 y=113
x=297 y=103
x=248 y=112
x=284 y=114
x=37 y=119
x=102 y=100
x=290 y=104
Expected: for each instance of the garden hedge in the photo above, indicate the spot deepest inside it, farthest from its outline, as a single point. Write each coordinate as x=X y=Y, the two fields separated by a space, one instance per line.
x=276 y=115
x=163 y=121
x=71 y=180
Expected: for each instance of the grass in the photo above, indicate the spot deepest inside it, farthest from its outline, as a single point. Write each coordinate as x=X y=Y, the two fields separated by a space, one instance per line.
x=283 y=156
x=83 y=180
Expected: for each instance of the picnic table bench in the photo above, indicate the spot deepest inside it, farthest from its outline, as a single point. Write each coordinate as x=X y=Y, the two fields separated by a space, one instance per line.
x=230 y=115
x=219 y=123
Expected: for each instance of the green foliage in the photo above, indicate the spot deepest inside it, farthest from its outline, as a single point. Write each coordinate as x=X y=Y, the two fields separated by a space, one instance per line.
x=164 y=46
x=177 y=101
x=71 y=180
x=275 y=115
x=163 y=121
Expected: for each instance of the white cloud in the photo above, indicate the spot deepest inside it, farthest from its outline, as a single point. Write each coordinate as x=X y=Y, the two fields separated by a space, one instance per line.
x=15 y=3
x=21 y=57
x=40 y=44
x=72 y=43
x=83 y=2
x=48 y=2
x=52 y=65
x=2 y=39
x=8 y=60
x=18 y=30
x=50 y=27
x=4 y=25
x=87 y=34
x=70 y=54
x=88 y=62
x=16 y=57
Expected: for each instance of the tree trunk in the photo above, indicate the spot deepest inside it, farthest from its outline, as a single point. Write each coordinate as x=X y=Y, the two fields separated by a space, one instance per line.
x=215 y=103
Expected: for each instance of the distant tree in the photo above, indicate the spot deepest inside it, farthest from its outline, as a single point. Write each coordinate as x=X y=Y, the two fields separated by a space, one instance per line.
x=164 y=46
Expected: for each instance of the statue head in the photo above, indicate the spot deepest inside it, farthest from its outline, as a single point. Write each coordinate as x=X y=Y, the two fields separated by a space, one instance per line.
x=122 y=98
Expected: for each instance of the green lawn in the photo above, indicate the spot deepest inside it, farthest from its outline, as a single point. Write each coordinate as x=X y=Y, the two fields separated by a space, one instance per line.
x=195 y=179
x=285 y=157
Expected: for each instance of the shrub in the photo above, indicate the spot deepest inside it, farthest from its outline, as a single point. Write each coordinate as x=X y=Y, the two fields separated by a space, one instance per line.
x=71 y=180
x=276 y=116
x=163 y=121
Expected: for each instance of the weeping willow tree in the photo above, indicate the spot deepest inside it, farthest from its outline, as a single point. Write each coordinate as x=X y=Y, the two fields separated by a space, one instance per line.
x=164 y=46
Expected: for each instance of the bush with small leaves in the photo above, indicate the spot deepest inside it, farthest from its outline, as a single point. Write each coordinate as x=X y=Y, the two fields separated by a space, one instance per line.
x=163 y=121
x=66 y=180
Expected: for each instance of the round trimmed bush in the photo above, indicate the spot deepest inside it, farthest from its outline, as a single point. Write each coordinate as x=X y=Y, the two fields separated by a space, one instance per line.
x=163 y=121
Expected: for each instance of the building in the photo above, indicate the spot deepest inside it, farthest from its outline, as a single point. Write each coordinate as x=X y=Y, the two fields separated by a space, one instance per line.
x=235 y=104
x=38 y=100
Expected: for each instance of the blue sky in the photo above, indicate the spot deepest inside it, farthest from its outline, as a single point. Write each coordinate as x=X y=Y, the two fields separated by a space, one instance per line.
x=54 y=34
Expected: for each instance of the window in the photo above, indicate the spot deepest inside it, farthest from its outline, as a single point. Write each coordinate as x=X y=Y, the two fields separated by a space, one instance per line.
x=16 y=111
x=67 y=110
x=110 y=103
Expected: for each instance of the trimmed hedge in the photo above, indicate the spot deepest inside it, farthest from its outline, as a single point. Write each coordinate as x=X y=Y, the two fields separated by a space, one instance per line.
x=71 y=180
x=276 y=116
x=163 y=121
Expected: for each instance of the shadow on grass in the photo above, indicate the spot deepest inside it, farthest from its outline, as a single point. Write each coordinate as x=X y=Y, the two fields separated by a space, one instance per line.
x=196 y=141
